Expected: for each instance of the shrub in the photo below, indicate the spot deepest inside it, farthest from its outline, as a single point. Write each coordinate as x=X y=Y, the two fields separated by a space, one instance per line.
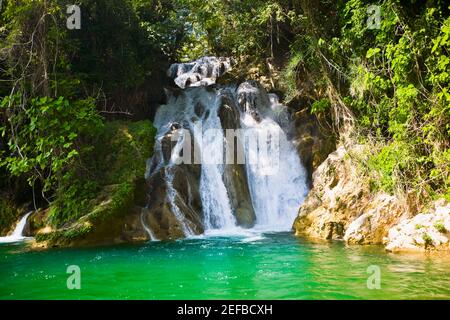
x=439 y=225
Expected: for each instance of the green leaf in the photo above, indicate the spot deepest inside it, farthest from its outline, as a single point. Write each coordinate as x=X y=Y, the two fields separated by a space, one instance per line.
x=372 y=52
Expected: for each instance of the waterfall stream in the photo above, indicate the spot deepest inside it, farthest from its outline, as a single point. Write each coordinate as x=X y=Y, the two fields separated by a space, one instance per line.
x=205 y=193
x=17 y=234
x=276 y=196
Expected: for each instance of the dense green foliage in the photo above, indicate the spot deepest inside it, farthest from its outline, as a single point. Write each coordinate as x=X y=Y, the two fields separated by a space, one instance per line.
x=120 y=44
x=58 y=85
x=399 y=91
x=47 y=136
x=121 y=151
x=235 y=28
x=107 y=188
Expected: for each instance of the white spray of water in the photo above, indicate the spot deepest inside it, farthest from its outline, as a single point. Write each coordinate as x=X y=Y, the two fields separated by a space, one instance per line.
x=277 y=194
x=217 y=210
x=17 y=234
x=147 y=229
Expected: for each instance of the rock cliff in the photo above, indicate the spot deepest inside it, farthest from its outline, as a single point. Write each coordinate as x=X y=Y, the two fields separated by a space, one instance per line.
x=342 y=206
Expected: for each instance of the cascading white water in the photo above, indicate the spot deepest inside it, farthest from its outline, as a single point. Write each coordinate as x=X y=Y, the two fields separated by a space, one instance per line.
x=216 y=205
x=278 y=194
x=217 y=211
x=276 y=181
x=163 y=121
x=17 y=234
x=202 y=72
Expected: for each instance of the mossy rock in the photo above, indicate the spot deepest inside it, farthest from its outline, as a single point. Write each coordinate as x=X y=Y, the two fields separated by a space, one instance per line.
x=112 y=211
x=99 y=216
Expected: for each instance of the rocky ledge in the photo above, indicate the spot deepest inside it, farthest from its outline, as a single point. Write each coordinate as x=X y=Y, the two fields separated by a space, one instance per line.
x=426 y=231
x=342 y=206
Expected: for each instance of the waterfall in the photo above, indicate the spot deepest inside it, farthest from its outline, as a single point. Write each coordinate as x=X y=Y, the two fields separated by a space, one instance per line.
x=17 y=234
x=216 y=205
x=277 y=196
x=201 y=191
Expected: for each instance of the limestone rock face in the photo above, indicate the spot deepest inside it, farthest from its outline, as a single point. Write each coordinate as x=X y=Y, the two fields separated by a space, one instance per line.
x=426 y=231
x=314 y=141
x=341 y=206
x=379 y=214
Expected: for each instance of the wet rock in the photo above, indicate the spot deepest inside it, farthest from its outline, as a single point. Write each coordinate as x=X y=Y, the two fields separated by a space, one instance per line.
x=229 y=113
x=173 y=219
x=199 y=109
x=201 y=72
x=159 y=215
x=251 y=98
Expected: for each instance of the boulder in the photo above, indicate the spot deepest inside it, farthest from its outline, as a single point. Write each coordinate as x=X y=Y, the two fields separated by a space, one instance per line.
x=427 y=231
x=201 y=72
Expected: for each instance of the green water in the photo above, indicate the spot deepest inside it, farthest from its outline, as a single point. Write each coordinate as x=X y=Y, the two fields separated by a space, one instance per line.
x=277 y=266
